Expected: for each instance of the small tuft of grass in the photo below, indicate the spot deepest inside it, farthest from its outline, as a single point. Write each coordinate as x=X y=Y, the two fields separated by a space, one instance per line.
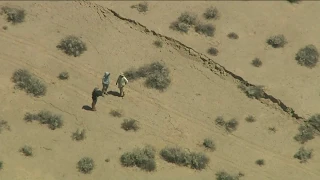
x=231 y=125
x=116 y=113
x=4 y=125
x=209 y=144
x=260 y=162
x=303 y=154
x=222 y=175
x=14 y=15
x=213 y=51
x=158 y=43
x=188 y=18
x=272 y=129
x=79 y=135
x=179 y=26
x=4 y=27
x=256 y=62
x=205 y=29
x=277 y=41
x=72 y=46
x=1 y=165
x=220 y=121
x=294 y=1
x=54 y=121
x=28 y=82
x=252 y=91
x=130 y=124
x=308 y=56
x=141 y=7
x=233 y=35
x=140 y=157
x=211 y=13
x=63 y=75
x=26 y=150
x=305 y=134
x=250 y=118
x=85 y=165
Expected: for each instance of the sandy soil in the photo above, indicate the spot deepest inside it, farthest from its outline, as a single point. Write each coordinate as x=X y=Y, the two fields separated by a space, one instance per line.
x=183 y=115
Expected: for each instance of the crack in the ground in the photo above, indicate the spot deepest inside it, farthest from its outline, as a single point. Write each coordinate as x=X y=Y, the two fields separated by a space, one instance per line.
x=207 y=62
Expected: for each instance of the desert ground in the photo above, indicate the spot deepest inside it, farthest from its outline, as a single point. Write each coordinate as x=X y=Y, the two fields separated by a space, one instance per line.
x=118 y=38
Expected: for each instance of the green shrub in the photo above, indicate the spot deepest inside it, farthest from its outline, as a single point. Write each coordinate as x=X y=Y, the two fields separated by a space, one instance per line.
x=26 y=150
x=293 y=1
x=116 y=113
x=63 y=75
x=209 y=144
x=220 y=121
x=308 y=56
x=198 y=161
x=205 y=29
x=256 y=62
x=233 y=35
x=213 y=51
x=314 y=121
x=130 y=124
x=1 y=165
x=303 y=154
x=250 y=118
x=260 y=162
x=188 y=18
x=158 y=43
x=72 y=46
x=211 y=13
x=4 y=125
x=28 y=82
x=222 y=175
x=305 y=134
x=79 y=135
x=141 y=7
x=142 y=158
x=14 y=15
x=179 y=26
x=85 y=165
x=252 y=91
x=54 y=121
x=277 y=41
x=231 y=125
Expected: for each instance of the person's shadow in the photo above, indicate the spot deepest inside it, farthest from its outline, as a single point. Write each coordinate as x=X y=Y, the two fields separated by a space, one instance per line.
x=87 y=108
x=114 y=93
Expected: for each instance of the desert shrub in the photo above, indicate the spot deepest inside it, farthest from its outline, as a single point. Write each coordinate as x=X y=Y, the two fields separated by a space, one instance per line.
x=250 y=118
x=308 y=56
x=4 y=125
x=211 y=13
x=252 y=91
x=130 y=124
x=303 y=154
x=181 y=157
x=256 y=62
x=179 y=26
x=213 y=51
x=314 y=121
x=14 y=15
x=277 y=41
x=63 y=75
x=28 y=82
x=142 y=158
x=158 y=81
x=220 y=121
x=79 y=135
x=54 y=121
x=4 y=27
x=188 y=18
x=293 y=1
x=231 y=125
x=1 y=165
x=72 y=46
x=141 y=7
x=209 y=144
x=26 y=150
x=116 y=113
x=85 y=165
x=206 y=29
x=272 y=129
x=233 y=35
x=305 y=134
x=158 y=43
x=260 y=162
x=222 y=175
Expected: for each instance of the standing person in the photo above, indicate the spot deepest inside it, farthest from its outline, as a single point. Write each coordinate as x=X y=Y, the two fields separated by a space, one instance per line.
x=121 y=82
x=105 y=83
x=95 y=95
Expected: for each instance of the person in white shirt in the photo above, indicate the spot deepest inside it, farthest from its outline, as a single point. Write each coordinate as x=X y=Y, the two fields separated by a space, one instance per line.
x=121 y=82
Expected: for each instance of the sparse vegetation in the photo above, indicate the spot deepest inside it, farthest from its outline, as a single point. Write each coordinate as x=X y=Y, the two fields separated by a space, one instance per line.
x=293 y=1
x=314 y=121
x=220 y=121
x=156 y=74
x=1 y=165
x=250 y=118
x=184 y=22
x=222 y=175
x=181 y=157
x=206 y=29
x=305 y=134
x=63 y=75
x=116 y=113
x=213 y=51
x=141 y=7
x=54 y=121
x=252 y=91
x=277 y=41
x=142 y=158
x=28 y=82
x=14 y=15
x=256 y=62
x=130 y=124
x=260 y=162
x=272 y=129
x=85 y=165
x=303 y=154
x=211 y=13
x=26 y=150
x=231 y=125
x=179 y=26
x=233 y=35
x=4 y=125
x=158 y=43
x=308 y=56
x=4 y=27
x=209 y=144
x=79 y=135
x=72 y=46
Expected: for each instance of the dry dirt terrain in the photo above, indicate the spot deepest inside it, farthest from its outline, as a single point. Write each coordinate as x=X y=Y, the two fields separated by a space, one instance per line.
x=183 y=115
